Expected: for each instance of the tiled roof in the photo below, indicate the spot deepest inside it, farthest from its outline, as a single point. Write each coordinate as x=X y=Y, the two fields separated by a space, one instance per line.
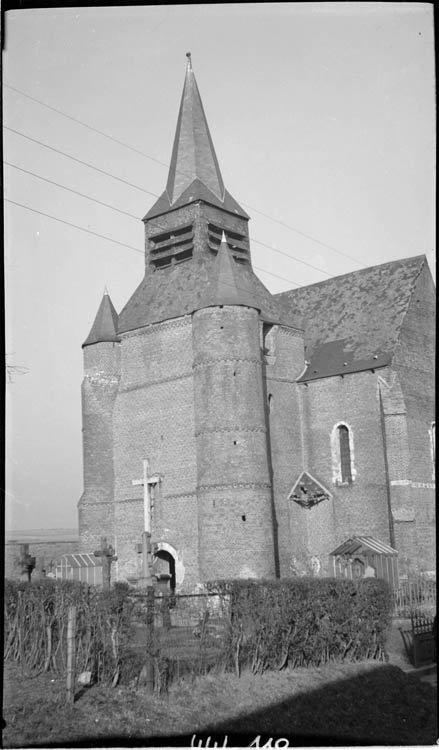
x=104 y=327
x=194 y=172
x=183 y=288
x=359 y=544
x=352 y=322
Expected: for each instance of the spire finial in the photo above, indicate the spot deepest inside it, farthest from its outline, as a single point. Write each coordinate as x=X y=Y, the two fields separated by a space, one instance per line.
x=106 y=291
x=189 y=61
x=223 y=238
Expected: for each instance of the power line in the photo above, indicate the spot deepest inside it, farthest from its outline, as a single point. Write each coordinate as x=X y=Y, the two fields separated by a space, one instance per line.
x=116 y=242
x=76 y=226
x=165 y=164
x=86 y=125
x=291 y=257
x=91 y=166
x=303 y=234
x=79 y=161
x=70 y=190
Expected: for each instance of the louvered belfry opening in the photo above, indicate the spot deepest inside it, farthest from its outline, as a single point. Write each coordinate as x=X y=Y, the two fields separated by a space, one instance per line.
x=345 y=454
x=171 y=247
x=237 y=242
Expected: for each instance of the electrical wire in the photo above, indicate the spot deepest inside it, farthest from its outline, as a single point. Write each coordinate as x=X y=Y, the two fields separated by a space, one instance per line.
x=91 y=166
x=132 y=216
x=79 y=161
x=70 y=224
x=116 y=242
x=165 y=164
x=70 y=190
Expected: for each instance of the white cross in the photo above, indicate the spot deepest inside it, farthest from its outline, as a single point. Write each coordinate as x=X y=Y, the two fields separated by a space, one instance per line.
x=146 y=482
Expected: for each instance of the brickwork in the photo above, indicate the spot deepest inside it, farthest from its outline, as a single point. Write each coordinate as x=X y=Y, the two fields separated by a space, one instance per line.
x=414 y=364
x=153 y=419
x=234 y=489
x=360 y=508
x=284 y=360
x=209 y=395
x=99 y=389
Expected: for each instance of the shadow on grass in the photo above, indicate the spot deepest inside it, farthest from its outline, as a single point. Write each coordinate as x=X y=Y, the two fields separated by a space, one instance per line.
x=380 y=706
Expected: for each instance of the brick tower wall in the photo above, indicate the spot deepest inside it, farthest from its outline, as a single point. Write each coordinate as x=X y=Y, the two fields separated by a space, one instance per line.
x=360 y=508
x=154 y=419
x=414 y=363
x=99 y=389
x=284 y=362
x=235 y=519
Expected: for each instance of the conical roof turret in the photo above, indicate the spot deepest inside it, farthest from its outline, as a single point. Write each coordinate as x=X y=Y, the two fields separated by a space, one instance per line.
x=194 y=172
x=104 y=327
x=226 y=285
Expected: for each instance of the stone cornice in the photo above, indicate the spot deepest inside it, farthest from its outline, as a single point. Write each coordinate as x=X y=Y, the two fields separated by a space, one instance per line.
x=158 y=327
x=208 y=362
x=230 y=486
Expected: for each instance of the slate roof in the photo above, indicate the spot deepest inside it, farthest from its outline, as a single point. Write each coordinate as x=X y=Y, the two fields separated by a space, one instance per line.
x=185 y=287
x=104 y=327
x=194 y=172
x=352 y=322
x=226 y=286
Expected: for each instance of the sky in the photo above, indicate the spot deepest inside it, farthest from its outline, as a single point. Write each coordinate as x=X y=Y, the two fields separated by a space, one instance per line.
x=323 y=121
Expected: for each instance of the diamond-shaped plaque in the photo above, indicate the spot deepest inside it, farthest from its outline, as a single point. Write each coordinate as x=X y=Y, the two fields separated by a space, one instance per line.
x=307 y=491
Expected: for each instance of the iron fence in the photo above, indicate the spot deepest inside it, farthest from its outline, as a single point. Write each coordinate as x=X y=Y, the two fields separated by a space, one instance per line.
x=411 y=596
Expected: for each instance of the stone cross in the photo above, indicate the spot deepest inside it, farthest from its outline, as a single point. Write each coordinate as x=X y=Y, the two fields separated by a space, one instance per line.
x=146 y=482
x=107 y=553
x=27 y=562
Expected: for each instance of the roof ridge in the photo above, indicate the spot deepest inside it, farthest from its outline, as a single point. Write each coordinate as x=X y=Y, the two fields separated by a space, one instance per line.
x=414 y=282
x=356 y=272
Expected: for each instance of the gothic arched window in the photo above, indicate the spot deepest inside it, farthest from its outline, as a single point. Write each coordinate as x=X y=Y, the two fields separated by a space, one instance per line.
x=342 y=444
x=345 y=454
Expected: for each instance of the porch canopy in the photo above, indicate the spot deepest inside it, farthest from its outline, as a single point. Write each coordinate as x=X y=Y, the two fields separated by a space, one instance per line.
x=80 y=566
x=364 y=556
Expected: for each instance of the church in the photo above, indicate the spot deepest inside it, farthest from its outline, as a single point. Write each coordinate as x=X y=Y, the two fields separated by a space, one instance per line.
x=256 y=435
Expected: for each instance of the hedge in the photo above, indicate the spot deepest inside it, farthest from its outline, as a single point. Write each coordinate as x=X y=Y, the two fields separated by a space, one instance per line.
x=304 y=621
x=36 y=626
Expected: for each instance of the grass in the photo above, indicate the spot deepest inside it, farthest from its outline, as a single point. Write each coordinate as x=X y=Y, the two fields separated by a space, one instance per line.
x=340 y=704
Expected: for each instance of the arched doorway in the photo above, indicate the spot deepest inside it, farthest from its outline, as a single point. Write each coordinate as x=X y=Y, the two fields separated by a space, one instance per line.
x=164 y=570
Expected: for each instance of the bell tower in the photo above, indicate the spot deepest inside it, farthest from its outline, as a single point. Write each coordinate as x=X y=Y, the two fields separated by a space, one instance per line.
x=186 y=389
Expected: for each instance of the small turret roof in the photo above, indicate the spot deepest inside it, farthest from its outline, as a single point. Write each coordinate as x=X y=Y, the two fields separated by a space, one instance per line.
x=104 y=327
x=194 y=172
x=225 y=287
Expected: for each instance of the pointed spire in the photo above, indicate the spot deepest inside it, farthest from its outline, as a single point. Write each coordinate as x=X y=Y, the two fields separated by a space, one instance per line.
x=104 y=327
x=228 y=284
x=193 y=154
x=194 y=173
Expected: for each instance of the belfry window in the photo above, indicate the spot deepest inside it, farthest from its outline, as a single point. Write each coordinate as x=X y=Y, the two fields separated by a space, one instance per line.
x=433 y=445
x=342 y=445
x=171 y=247
x=237 y=242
